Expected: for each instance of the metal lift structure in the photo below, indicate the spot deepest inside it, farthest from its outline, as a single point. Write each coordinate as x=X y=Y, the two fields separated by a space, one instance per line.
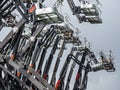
x=39 y=37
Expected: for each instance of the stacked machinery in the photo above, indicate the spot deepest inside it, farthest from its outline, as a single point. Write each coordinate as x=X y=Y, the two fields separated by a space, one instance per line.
x=25 y=63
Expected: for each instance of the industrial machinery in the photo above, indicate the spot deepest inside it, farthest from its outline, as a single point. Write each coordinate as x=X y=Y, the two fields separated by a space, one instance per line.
x=42 y=51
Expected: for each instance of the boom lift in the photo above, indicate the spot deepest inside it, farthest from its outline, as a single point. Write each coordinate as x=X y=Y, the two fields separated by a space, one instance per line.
x=49 y=15
x=67 y=87
x=86 y=12
x=105 y=63
x=50 y=58
x=62 y=48
x=23 y=50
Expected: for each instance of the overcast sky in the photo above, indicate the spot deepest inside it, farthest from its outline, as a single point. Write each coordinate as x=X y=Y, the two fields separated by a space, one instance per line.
x=102 y=37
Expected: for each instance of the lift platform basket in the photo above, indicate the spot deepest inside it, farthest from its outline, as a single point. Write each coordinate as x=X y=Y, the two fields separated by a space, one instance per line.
x=89 y=9
x=49 y=15
x=93 y=19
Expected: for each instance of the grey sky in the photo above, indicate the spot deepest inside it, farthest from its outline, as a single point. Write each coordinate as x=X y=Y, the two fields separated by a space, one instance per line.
x=102 y=37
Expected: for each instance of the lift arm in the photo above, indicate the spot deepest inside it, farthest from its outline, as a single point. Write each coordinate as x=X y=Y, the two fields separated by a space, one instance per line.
x=12 y=33
x=71 y=72
x=75 y=9
x=79 y=73
x=53 y=80
x=49 y=61
x=45 y=47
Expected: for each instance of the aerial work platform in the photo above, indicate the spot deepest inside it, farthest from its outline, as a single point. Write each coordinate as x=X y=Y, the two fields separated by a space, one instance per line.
x=93 y=19
x=88 y=8
x=49 y=15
